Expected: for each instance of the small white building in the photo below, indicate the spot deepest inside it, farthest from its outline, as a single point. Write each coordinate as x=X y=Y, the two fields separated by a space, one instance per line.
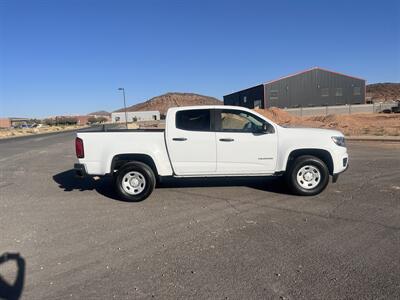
x=133 y=116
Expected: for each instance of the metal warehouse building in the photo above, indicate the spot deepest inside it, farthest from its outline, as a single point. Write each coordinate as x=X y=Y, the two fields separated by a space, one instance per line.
x=313 y=87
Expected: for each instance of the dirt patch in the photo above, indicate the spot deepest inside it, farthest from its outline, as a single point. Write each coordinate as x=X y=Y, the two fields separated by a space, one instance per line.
x=8 y=133
x=279 y=116
x=355 y=124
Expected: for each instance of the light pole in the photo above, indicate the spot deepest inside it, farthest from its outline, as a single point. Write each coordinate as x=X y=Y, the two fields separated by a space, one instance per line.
x=126 y=114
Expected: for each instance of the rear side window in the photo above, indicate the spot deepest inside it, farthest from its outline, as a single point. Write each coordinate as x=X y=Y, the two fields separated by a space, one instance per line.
x=193 y=120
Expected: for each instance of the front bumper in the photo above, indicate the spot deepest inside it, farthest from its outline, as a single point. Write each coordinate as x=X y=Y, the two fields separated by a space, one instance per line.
x=340 y=159
x=80 y=170
x=335 y=176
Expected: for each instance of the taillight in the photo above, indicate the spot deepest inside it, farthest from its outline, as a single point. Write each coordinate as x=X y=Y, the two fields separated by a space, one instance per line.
x=80 y=153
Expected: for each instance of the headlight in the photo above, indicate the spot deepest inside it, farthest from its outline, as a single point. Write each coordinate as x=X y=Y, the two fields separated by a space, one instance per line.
x=339 y=140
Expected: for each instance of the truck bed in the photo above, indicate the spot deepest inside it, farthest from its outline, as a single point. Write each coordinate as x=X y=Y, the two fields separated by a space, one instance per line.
x=102 y=145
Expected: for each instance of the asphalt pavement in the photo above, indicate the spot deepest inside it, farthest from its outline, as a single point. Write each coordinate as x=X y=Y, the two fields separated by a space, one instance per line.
x=213 y=239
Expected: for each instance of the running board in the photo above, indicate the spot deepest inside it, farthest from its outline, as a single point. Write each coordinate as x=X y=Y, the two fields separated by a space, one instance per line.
x=224 y=175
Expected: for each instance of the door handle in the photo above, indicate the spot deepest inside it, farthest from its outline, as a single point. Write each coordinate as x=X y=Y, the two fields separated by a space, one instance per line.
x=179 y=139
x=226 y=140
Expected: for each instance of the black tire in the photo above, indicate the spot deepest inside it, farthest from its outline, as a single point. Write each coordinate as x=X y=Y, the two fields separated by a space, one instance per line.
x=142 y=171
x=321 y=179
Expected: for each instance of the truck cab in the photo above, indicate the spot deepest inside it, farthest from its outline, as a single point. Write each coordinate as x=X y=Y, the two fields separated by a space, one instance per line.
x=220 y=141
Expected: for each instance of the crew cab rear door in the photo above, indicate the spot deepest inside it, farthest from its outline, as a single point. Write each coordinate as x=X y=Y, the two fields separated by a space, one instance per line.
x=243 y=147
x=191 y=142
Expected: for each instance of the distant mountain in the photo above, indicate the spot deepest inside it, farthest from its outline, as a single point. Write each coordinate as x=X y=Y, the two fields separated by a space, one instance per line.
x=165 y=101
x=383 y=91
x=100 y=113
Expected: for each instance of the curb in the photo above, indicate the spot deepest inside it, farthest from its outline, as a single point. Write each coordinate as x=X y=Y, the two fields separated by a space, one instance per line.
x=369 y=138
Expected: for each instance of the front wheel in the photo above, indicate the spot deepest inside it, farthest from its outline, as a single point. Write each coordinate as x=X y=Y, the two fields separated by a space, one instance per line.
x=307 y=176
x=135 y=181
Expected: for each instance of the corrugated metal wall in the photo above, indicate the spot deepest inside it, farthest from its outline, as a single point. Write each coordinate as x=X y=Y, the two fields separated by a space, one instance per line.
x=247 y=98
x=316 y=87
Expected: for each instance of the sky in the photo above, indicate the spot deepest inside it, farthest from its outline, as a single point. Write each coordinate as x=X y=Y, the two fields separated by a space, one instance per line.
x=63 y=57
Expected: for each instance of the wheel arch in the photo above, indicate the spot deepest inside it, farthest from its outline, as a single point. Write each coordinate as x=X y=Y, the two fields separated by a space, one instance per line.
x=322 y=154
x=120 y=159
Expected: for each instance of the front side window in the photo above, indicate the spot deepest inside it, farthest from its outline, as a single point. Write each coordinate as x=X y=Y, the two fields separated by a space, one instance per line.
x=241 y=121
x=193 y=120
x=356 y=91
x=339 y=92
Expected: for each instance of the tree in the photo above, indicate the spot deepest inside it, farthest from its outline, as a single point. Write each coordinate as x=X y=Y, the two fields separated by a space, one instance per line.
x=34 y=121
x=60 y=121
x=49 y=121
x=92 y=120
x=101 y=119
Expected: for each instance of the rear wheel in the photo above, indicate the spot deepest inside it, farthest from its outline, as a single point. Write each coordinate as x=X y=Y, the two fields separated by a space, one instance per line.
x=307 y=176
x=135 y=181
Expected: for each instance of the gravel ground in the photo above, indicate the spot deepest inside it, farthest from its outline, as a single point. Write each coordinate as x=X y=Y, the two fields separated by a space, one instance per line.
x=236 y=239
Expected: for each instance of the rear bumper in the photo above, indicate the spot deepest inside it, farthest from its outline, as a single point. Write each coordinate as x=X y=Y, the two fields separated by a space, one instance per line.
x=80 y=170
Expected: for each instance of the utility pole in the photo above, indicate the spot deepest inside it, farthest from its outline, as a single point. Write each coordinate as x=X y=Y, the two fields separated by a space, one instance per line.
x=126 y=114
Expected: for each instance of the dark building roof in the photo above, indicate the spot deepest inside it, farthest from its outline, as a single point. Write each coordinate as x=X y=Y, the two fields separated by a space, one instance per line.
x=308 y=70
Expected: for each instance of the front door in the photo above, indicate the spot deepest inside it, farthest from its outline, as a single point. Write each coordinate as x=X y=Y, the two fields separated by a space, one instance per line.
x=242 y=146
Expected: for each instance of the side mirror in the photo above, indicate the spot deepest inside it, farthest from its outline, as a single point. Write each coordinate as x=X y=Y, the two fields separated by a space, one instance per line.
x=265 y=127
x=261 y=130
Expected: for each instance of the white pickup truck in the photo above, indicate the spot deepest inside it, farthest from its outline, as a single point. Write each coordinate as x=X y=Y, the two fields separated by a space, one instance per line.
x=212 y=141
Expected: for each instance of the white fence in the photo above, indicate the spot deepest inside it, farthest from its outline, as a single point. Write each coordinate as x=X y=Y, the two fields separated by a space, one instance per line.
x=340 y=109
